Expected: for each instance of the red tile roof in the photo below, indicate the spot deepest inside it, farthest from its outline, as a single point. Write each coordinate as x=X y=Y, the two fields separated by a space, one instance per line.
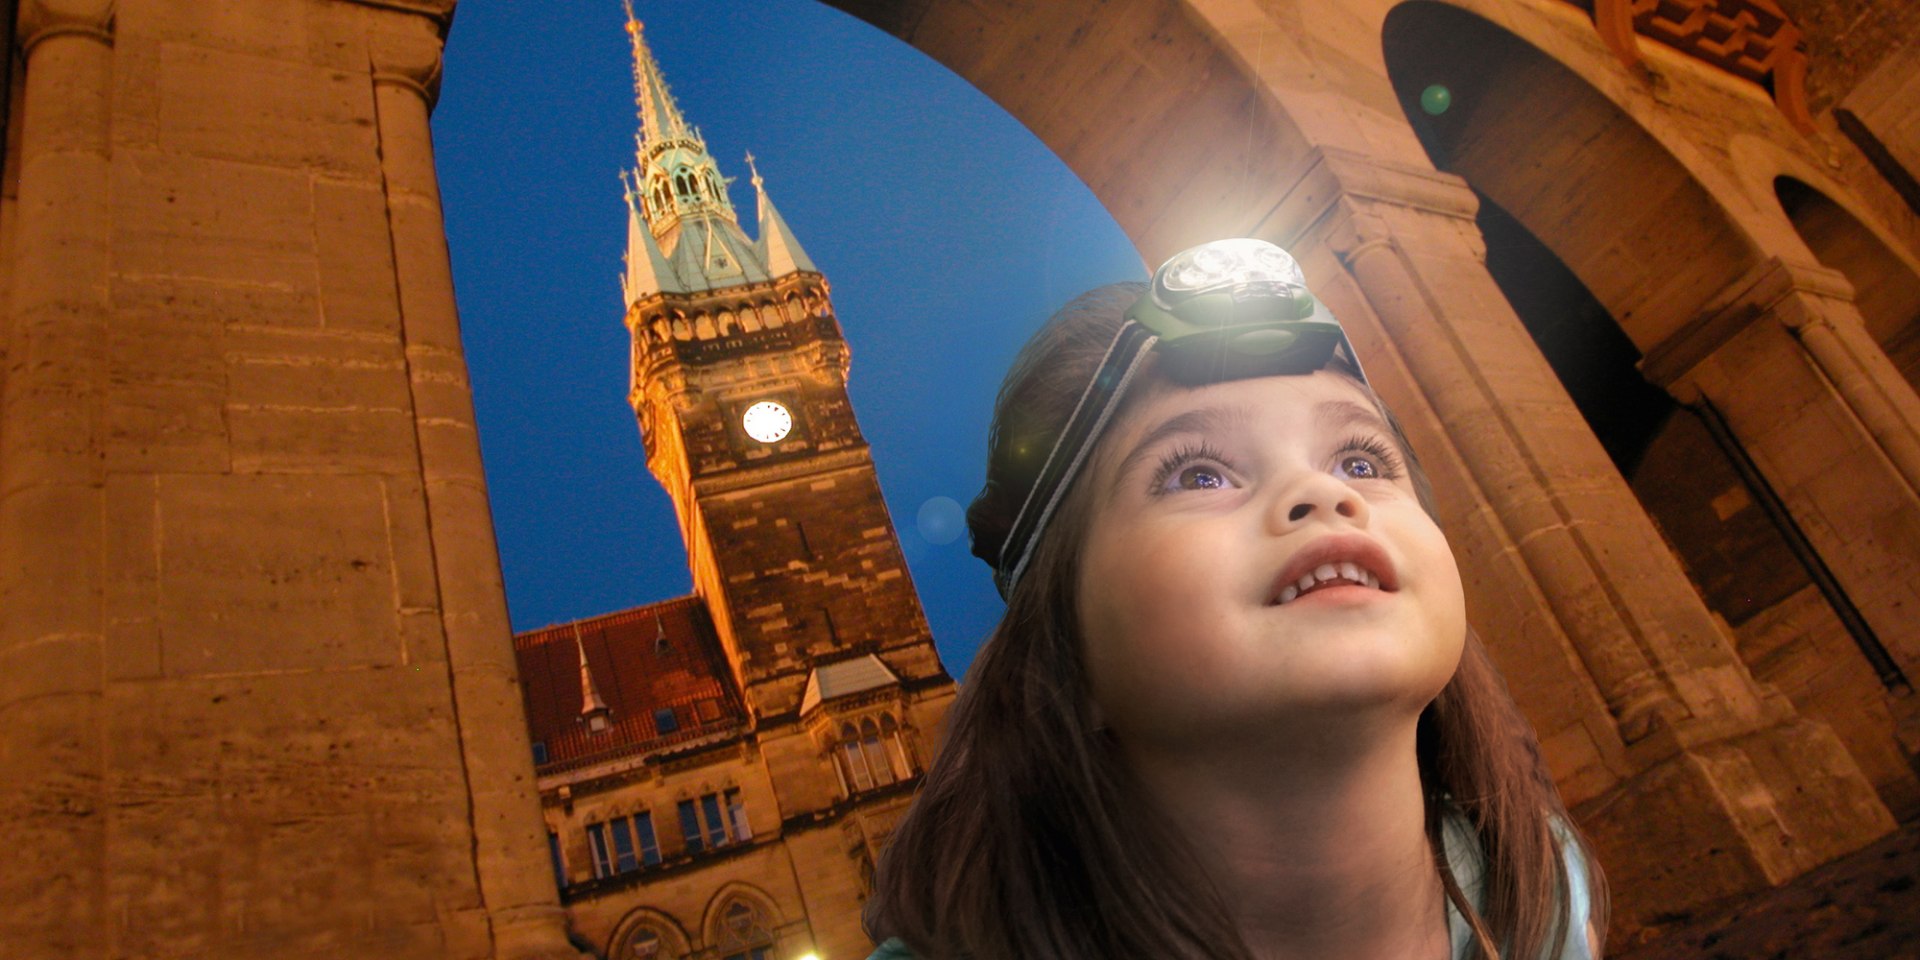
x=636 y=675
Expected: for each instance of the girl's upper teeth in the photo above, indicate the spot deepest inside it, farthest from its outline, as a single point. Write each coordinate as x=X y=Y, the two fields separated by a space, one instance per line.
x=1344 y=570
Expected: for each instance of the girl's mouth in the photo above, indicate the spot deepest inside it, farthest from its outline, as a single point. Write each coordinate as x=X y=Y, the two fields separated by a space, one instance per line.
x=1339 y=560
x=1344 y=573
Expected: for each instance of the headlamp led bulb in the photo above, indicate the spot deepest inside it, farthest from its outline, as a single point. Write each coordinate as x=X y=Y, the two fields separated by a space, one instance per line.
x=1225 y=264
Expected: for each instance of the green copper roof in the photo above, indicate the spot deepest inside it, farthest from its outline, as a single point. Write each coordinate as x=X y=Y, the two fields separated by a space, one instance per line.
x=683 y=235
x=779 y=249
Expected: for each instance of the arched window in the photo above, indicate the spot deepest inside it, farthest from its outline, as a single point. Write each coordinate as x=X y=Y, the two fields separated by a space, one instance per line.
x=851 y=758
x=896 y=747
x=745 y=932
x=876 y=754
x=650 y=942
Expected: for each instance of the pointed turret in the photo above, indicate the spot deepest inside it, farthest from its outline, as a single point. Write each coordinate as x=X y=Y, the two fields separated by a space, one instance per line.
x=779 y=249
x=593 y=710
x=648 y=272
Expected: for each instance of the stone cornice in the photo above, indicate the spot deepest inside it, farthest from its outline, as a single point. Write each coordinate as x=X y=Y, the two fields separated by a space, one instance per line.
x=817 y=465
x=1325 y=176
x=1759 y=292
x=439 y=11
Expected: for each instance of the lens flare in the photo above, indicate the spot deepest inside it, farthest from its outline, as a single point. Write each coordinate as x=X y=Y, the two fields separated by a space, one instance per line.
x=941 y=520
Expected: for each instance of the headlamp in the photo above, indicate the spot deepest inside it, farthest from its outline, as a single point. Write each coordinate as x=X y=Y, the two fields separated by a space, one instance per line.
x=1224 y=310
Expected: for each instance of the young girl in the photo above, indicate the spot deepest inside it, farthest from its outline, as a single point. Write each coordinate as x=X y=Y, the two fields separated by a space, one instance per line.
x=1233 y=709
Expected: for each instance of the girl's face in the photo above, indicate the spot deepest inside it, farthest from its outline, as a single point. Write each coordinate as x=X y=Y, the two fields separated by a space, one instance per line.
x=1257 y=553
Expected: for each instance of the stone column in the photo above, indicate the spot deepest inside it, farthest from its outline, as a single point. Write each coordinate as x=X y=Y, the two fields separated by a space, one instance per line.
x=1719 y=766
x=52 y=483
x=510 y=853
x=1830 y=423
x=1476 y=366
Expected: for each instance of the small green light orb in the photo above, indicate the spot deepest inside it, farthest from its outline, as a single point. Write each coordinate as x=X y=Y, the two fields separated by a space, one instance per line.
x=1436 y=99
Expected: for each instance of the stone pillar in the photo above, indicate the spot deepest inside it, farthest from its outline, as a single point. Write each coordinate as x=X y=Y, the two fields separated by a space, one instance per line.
x=510 y=854
x=1718 y=766
x=52 y=482
x=1831 y=424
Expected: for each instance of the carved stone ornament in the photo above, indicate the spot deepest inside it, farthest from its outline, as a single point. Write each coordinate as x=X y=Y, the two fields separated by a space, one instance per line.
x=407 y=53
x=43 y=19
x=1751 y=39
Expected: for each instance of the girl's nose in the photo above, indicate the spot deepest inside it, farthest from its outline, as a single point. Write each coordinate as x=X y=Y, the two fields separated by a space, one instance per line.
x=1320 y=497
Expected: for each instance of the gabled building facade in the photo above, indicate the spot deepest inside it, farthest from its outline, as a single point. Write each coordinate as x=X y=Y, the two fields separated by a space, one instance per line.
x=718 y=772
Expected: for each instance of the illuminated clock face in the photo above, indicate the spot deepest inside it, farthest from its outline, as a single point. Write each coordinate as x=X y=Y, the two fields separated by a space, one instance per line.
x=767 y=421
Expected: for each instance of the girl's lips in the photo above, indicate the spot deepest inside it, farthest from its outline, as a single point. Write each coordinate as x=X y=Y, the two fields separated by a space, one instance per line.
x=1334 y=551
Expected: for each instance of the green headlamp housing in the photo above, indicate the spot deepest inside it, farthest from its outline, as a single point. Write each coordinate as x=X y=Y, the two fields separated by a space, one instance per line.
x=1232 y=309
x=1225 y=310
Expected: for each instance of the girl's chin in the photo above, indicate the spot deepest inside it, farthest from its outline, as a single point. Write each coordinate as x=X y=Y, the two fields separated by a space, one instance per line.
x=1353 y=712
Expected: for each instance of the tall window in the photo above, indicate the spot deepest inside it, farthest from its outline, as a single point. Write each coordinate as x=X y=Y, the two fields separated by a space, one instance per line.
x=643 y=833
x=559 y=866
x=876 y=755
x=896 y=746
x=850 y=756
x=737 y=816
x=690 y=826
x=623 y=844
x=714 y=820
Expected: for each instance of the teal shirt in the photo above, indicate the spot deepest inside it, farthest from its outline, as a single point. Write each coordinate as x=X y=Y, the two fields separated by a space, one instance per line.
x=1469 y=867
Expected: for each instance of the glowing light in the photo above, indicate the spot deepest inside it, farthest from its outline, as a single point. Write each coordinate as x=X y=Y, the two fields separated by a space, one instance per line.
x=809 y=956
x=1436 y=99
x=941 y=520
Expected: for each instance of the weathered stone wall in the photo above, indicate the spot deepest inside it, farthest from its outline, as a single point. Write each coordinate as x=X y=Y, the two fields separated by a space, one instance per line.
x=257 y=687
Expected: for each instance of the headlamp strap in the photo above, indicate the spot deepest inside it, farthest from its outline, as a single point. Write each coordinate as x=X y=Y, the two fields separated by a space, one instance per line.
x=1090 y=415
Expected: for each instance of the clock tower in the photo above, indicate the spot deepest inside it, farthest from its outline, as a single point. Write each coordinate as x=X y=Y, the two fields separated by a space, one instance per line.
x=739 y=374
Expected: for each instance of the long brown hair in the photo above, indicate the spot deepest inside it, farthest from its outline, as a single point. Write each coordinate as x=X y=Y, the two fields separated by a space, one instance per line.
x=1031 y=838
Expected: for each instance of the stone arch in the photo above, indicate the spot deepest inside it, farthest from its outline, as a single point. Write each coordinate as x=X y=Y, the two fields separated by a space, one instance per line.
x=1621 y=258
x=1129 y=133
x=643 y=928
x=1886 y=284
x=739 y=918
x=1614 y=203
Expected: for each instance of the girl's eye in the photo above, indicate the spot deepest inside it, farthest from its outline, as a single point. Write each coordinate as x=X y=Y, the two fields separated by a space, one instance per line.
x=1200 y=478
x=1368 y=458
x=1195 y=467
x=1360 y=468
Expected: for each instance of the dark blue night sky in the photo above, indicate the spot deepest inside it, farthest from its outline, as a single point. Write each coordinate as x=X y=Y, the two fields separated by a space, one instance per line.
x=947 y=231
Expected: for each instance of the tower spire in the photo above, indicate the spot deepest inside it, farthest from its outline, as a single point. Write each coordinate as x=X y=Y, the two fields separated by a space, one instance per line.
x=593 y=710
x=660 y=118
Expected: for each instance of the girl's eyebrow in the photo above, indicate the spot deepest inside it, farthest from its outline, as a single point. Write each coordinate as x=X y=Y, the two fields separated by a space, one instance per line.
x=1341 y=414
x=1200 y=420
